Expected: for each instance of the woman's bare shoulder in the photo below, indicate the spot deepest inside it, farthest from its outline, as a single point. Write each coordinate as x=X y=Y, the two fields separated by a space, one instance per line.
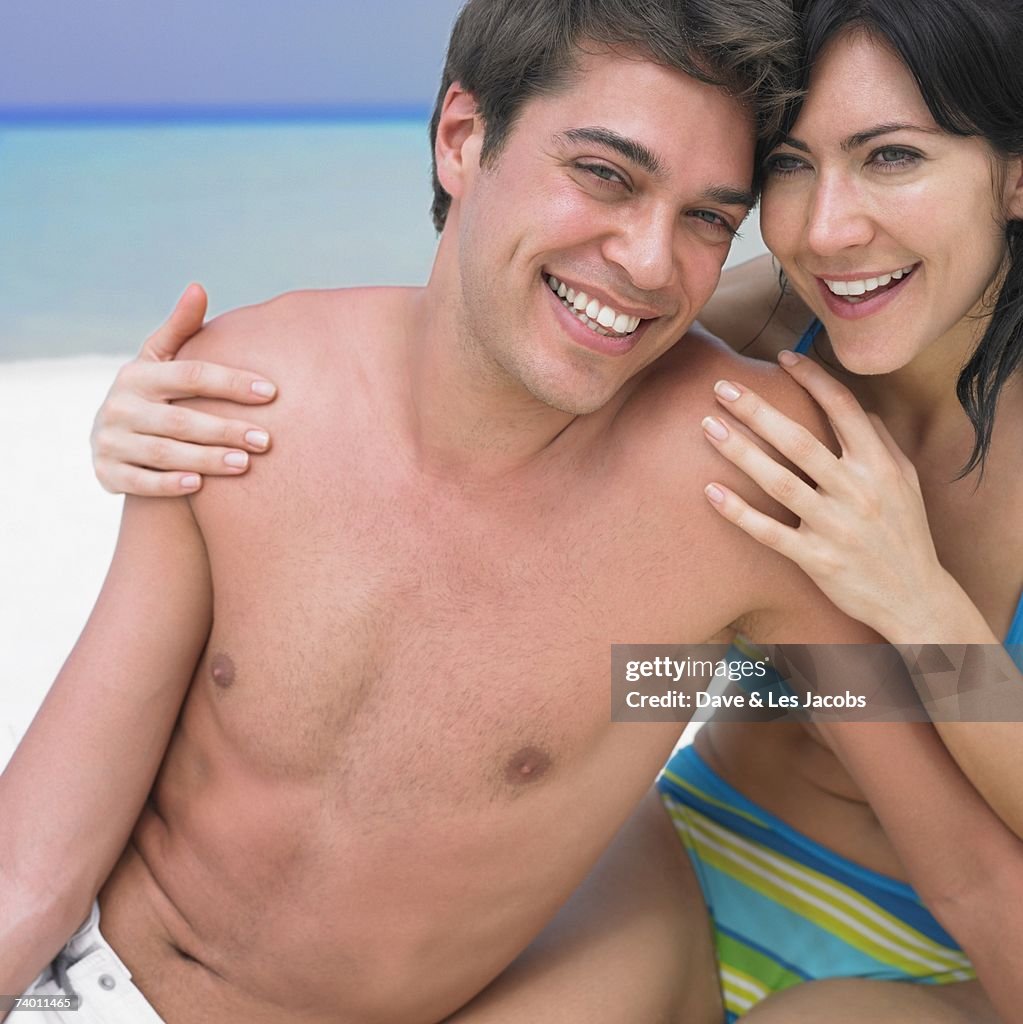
x=751 y=313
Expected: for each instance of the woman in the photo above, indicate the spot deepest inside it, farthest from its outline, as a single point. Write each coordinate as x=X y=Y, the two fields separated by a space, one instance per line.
x=894 y=204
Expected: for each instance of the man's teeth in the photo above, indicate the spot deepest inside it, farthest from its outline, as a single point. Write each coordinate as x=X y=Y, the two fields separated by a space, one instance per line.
x=602 y=319
x=868 y=284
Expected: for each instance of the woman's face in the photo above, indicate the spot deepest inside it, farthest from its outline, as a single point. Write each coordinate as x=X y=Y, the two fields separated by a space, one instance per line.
x=889 y=228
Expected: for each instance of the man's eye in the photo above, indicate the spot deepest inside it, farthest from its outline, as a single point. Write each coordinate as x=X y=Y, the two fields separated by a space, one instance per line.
x=606 y=176
x=714 y=220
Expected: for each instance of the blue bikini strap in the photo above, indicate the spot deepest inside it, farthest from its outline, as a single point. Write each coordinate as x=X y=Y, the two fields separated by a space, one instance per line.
x=803 y=346
x=1016 y=629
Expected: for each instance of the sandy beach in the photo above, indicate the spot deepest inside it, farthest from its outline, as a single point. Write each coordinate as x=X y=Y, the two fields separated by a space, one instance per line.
x=59 y=526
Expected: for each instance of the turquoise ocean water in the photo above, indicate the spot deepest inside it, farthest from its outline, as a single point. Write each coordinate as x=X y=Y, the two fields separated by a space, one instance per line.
x=101 y=227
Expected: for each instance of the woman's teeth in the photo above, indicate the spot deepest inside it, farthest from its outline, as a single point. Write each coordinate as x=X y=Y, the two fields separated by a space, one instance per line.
x=602 y=319
x=855 y=291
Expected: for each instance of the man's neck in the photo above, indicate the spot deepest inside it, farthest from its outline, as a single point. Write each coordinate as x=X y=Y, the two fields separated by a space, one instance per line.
x=467 y=416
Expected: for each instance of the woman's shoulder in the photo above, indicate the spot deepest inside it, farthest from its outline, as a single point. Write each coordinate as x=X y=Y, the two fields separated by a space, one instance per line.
x=752 y=313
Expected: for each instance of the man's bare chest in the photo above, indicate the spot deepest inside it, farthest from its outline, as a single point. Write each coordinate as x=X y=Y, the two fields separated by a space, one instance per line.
x=364 y=616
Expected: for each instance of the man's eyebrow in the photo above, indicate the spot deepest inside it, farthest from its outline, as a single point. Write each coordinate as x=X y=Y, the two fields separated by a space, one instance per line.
x=867 y=135
x=638 y=154
x=633 y=151
x=728 y=196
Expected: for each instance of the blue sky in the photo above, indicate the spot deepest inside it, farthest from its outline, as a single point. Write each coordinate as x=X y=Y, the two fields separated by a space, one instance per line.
x=221 y=53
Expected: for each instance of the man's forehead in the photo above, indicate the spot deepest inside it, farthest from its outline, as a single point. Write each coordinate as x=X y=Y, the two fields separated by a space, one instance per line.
x=645 y=100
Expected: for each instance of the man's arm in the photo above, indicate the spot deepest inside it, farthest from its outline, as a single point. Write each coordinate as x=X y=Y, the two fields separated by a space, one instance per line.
x=76 y=783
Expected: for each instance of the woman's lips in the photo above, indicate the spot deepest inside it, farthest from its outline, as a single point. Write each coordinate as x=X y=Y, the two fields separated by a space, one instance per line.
x=856 y=307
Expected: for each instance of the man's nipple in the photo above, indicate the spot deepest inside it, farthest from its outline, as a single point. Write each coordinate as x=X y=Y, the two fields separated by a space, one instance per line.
x=222 y=670
x=527 y=765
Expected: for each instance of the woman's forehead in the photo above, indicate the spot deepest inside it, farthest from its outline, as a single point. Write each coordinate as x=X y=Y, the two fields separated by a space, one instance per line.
x=857 y=83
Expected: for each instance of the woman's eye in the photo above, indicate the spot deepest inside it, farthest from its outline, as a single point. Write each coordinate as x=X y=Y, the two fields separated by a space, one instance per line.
x=782 y=164
x=894 y=158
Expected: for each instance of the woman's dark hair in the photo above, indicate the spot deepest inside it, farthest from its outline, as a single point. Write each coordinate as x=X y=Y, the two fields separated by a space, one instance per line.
x=507 y=52
x=967 y=59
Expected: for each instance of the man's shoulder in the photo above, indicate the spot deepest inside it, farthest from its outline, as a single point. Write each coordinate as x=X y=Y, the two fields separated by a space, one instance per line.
x=671 y=462
x=320 y=348
x=295 y=327
x=678 y=392
x=661 y=425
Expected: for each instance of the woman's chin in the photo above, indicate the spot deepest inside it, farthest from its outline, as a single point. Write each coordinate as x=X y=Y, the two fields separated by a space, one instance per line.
x=865 y=360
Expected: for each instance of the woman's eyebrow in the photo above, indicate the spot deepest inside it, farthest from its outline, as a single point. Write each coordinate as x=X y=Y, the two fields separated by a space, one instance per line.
x=867 y=135
x=859 y=138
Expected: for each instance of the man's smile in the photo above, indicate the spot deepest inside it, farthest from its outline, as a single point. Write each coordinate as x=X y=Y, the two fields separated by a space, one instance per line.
x=596 y=315
x=583 y=325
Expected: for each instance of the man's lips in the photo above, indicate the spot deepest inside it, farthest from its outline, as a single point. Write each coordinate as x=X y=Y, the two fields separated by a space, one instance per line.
x=613 y=314
x=591 y=334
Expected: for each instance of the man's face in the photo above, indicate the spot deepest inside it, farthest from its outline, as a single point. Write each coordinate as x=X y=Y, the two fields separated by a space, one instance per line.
x=591 y=243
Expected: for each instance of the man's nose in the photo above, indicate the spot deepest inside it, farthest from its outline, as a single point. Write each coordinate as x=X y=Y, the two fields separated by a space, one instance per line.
x=838 y=217
x=646 y=248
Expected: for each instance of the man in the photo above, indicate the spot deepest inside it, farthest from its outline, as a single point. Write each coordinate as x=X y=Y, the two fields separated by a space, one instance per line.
x=394 y=761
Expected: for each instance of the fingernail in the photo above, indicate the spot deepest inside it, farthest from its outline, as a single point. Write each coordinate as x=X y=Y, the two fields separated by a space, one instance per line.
x=257 y=438
x=714 y=493
x=239 y=460
x=715 y=428
x=263 y=388
x=787 y=358
x=726 y=390
x=190 y=482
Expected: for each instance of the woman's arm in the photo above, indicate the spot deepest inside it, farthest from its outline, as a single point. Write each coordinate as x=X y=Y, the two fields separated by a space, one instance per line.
x=144 y=444
x=864 y=539
x=751 y=314
x=963 y=861
x=74 y=787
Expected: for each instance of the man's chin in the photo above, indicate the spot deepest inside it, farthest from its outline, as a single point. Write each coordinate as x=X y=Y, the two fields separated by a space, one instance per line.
x=573 y=405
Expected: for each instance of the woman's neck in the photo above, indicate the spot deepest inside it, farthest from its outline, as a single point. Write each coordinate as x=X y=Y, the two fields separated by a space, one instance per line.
x=918 y=402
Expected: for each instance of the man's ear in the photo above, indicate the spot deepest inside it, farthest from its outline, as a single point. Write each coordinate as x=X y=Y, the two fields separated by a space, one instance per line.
x=459 y=140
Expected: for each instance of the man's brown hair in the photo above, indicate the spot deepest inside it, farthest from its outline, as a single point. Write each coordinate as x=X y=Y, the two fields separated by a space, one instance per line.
x=506 y=52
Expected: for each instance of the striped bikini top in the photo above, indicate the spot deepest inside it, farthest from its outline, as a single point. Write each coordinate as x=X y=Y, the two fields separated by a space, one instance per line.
x=1014 y=639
